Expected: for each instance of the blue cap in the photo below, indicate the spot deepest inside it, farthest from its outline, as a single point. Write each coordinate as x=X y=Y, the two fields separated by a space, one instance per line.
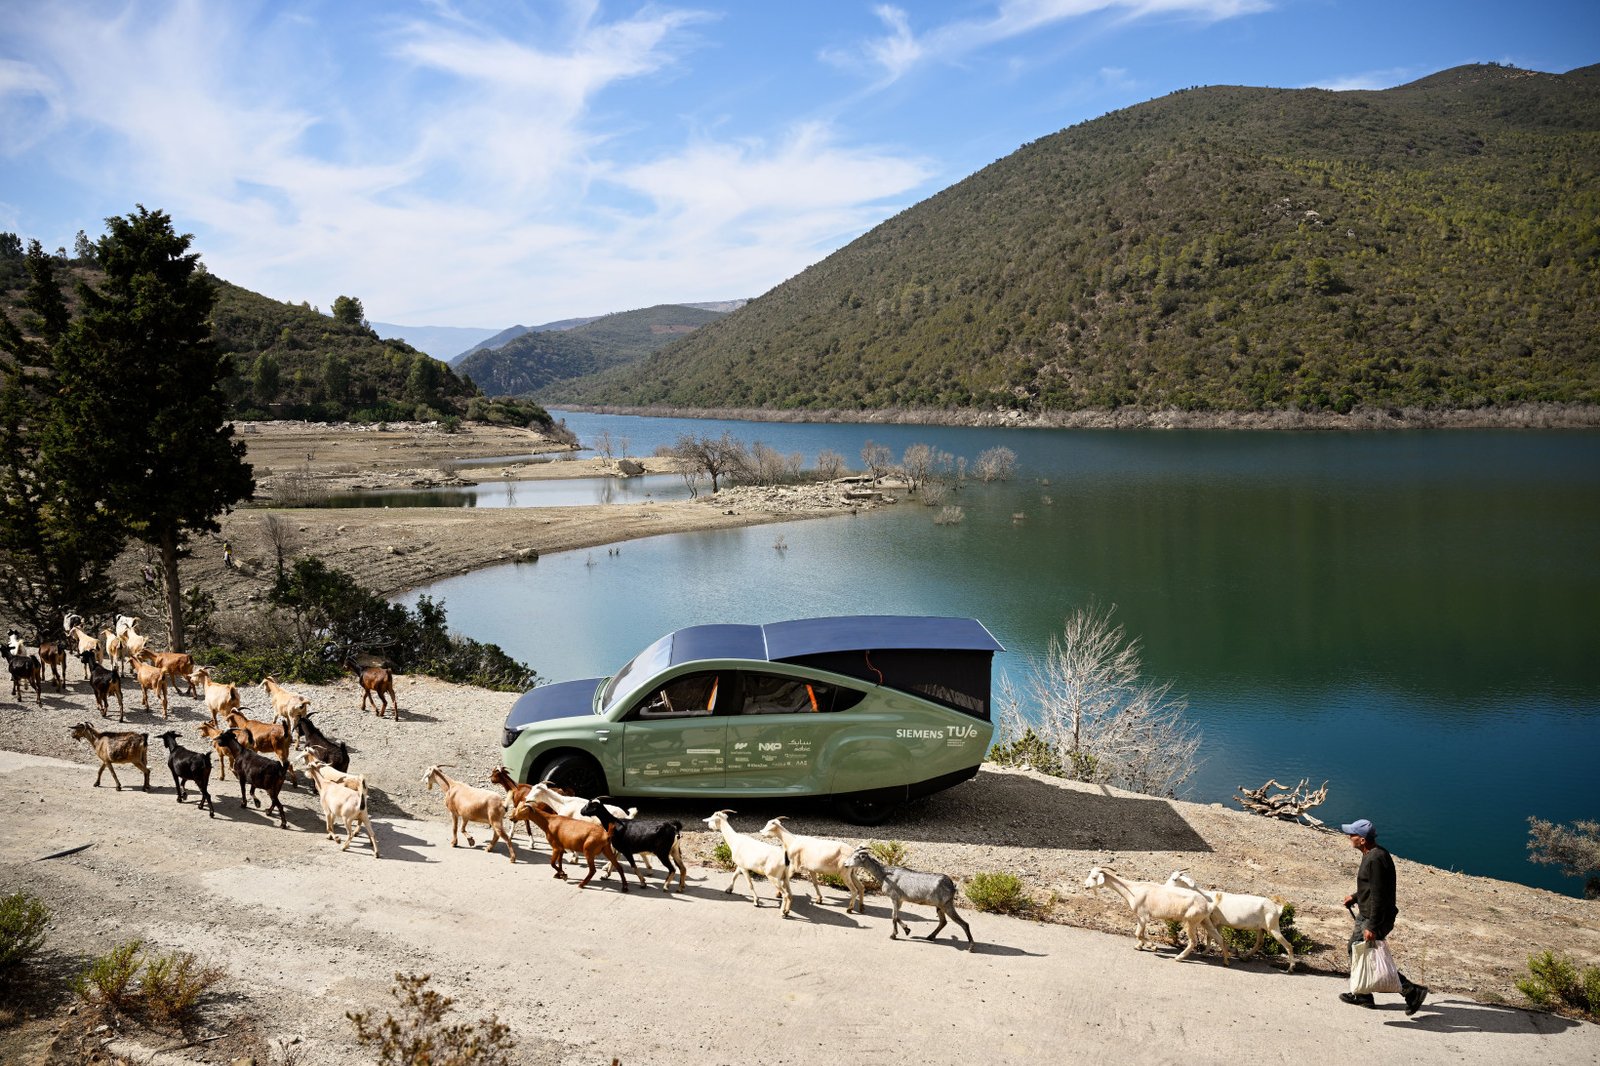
x=1358 y=828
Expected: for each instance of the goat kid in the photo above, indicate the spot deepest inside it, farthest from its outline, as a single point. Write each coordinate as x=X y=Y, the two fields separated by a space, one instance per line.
x=189 y=765
x=912 y=886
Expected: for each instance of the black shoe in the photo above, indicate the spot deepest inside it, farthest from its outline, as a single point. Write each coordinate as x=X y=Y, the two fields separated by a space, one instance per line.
x=1358 y=999
x=1414 y=997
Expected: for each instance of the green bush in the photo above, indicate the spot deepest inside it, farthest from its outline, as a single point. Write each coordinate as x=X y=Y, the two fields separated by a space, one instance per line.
x=1555 y=981
x=890 y=852
x=1030 y=750
x=722 y=855
x=109 y=978
x=1000 y=893
x=23 y=921
x=1243 y=941
x=172 y=986
x=420 y=1036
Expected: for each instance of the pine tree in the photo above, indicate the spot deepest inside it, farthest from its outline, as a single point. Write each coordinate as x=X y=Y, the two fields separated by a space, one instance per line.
x=57 y=538
x=142 y=406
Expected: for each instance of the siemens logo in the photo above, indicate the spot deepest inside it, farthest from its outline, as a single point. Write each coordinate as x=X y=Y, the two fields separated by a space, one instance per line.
x=919 y=734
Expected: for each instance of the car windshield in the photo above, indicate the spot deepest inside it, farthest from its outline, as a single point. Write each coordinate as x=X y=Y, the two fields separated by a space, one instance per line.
x=647 y=663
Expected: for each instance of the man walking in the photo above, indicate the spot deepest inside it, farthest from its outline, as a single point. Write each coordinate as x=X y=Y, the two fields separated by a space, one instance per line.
x=1375 y=901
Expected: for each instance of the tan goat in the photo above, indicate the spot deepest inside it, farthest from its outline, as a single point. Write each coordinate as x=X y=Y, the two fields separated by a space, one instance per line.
x=285 y=704
x=151 y=679
x=219 y=697
x=468 y=804
x=87 y=646
x=112 y=748
x=341 y=803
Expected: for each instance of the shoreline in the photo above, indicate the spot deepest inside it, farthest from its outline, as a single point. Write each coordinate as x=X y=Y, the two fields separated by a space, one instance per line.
x=1363 y=419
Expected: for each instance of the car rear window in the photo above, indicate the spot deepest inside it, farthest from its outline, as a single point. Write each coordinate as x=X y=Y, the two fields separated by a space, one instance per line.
x=775 y=694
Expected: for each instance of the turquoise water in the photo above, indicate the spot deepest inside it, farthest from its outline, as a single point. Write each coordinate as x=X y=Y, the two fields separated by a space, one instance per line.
x=1409 y=616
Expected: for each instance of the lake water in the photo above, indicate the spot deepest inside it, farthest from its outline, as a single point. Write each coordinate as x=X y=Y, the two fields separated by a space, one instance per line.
x=1411 y=616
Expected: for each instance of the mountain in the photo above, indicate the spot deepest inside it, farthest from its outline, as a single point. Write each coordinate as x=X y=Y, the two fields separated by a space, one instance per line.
x=1225 y=248
x=537 y=359
x=441 y=342
x=506 y=336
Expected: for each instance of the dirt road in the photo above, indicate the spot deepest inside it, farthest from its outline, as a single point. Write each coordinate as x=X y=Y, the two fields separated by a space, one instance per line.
x=307 y=932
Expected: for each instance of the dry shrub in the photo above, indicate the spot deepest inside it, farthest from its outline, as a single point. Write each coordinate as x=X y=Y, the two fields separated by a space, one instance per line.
x=23 y=920
x=420 y=1036
x=161 y=989
x=1000 y=893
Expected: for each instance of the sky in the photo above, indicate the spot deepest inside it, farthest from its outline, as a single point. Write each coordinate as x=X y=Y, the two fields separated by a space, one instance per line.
x=486 y=164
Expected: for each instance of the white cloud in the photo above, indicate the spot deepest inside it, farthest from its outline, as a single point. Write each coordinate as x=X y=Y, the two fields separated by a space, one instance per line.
x=897 y=52
x=462 y=177
x=1372 y=79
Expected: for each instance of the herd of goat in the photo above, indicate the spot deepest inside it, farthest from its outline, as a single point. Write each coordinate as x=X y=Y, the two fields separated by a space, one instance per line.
x=263 y=756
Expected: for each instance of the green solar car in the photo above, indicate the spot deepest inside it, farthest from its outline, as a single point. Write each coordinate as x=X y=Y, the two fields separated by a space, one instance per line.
x=870 y=710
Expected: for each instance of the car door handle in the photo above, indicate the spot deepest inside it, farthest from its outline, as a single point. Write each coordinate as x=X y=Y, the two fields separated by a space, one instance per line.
x=602 y=735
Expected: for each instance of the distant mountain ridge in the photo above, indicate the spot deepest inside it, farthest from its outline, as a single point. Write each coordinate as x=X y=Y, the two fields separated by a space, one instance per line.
x=536 y=359
x=441 y=342
x=1435 y=245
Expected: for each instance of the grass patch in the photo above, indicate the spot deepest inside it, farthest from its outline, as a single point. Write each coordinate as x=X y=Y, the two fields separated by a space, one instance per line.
x=1555 y=981
x=722 y=855
x=1000 y=893
x=23 y=921
x=420 y=1036
x=833 y=881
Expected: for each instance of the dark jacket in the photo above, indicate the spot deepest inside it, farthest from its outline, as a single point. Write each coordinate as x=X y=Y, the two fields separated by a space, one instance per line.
x=1375 y=892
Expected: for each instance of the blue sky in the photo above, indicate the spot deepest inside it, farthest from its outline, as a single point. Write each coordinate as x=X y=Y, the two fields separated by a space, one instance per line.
x=484 y=164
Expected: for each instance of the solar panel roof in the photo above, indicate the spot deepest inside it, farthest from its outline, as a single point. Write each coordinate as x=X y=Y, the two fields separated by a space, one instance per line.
x=780 y=641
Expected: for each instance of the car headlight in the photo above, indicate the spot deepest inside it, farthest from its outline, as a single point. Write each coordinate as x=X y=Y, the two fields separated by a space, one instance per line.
x=509 y=736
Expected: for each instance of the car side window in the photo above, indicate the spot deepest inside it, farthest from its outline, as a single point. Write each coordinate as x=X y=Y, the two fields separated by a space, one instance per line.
x=692 y=696
x=772 y=694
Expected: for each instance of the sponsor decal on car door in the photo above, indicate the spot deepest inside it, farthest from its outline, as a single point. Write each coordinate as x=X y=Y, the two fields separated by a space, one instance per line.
x=673 y=738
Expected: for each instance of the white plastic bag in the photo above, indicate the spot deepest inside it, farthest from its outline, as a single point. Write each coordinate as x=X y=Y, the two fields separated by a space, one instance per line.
x=1372 y=968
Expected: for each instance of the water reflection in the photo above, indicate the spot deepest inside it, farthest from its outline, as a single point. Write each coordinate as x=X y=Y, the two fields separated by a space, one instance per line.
x=565 y=492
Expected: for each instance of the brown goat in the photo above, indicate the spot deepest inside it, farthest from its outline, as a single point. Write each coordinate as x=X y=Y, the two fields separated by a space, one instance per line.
x=177 y=665
x=130 y=748
x=219 y=697
x=269 y=738
x=572 y=834
x=213 y=732
x=151 y=679
x=515 y=794
x=53 y=657
x=467 y=804
x=377 y=681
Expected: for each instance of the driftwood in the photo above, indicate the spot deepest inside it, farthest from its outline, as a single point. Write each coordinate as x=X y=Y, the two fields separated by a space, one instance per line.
x=1288 y=804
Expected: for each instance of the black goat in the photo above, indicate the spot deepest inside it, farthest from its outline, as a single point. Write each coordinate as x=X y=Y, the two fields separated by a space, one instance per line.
x=106 y=683
x=25 y=670
x=189 y=765
x=632 y=837
x=326 y=751
x=256 y=770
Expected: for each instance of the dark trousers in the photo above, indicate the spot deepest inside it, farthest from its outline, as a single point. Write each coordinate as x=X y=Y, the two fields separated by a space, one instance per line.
x=1356 y=938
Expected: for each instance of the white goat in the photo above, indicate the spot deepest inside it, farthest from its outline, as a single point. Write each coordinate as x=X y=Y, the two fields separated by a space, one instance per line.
x=344 y=805
x=811 y=856
x=1238 y=911
x=220 y=698
x=572 y=807
x=468 y=804
x=356 y=782
x=1152 y=902
x=751 y=856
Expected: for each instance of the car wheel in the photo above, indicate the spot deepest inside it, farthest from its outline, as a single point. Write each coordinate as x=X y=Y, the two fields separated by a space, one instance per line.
x=858 y=811
x=578 y=774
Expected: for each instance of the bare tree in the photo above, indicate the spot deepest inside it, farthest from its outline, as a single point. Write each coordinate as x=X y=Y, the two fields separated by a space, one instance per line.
x=716 y=457
x=604 y=445
x=1575 y=848
x=282 y=536
x=830 y=464
x=622 y=445
x=997 y=464
x=918 y=463
x=1097 y=717
x=766 y=465
x=877 y=458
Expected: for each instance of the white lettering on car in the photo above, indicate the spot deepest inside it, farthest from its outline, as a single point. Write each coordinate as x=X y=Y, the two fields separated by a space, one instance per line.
x=919 y=734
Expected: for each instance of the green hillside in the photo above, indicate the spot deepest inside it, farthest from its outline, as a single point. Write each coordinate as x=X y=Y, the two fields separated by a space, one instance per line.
x=536 y=360
x=1433 y=245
